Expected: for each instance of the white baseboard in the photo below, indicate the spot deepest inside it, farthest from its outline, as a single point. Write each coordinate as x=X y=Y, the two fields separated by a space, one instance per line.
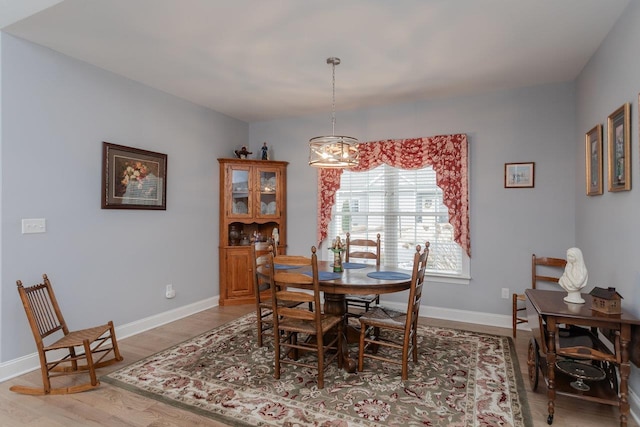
x=476 y=317
x=22 y=365
x=30 y=362
x=160 y=319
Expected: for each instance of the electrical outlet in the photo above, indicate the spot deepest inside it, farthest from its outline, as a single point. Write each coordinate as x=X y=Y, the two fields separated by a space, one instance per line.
x=505 y=293
x=170 y=292
x=33 y=225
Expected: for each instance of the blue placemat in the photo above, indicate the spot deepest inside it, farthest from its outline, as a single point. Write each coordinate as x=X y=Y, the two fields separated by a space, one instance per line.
x=353 y=265
x=388 y=275
x=285 y=267
x=325 y=275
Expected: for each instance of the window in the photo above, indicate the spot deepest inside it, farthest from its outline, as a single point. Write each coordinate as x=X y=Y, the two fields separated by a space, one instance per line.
x=406 y=208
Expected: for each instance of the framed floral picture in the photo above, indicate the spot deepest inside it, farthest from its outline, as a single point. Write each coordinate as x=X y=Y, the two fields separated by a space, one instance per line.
x=593 y=163
x=133 y=178
x=519 y=175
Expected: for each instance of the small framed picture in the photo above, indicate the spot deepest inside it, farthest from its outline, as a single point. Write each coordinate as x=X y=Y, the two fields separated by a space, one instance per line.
x=519 y=175
x=593 y=156
x=619 y=149
x=133 y=178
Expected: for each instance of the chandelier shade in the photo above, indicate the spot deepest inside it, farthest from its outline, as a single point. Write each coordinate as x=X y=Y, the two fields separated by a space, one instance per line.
x=333 y=151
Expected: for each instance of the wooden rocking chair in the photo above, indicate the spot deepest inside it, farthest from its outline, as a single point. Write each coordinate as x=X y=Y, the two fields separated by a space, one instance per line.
x=60 y=357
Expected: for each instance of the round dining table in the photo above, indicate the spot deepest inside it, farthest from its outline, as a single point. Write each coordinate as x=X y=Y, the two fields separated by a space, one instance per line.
x=355 y=279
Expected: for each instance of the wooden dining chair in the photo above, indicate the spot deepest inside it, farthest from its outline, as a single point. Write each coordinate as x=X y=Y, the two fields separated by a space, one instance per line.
x=298 y=329
x=367 y=250
x=69 y=349
x=543 y=269
x=262 y=287
x=401 y=328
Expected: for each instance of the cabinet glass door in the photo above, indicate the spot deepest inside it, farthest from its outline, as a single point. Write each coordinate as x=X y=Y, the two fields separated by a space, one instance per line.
x=268 y=180
x=240 y=191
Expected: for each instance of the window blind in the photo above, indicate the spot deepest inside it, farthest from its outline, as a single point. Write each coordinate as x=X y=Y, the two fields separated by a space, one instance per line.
x=406 y=208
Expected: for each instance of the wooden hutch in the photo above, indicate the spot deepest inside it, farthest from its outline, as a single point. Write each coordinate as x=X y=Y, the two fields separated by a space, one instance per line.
x=253 y=201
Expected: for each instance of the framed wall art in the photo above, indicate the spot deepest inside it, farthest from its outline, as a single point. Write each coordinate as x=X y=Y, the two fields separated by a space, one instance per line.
x=519 y=175
x=133 y=178
x=593 y=156
x=619 y=149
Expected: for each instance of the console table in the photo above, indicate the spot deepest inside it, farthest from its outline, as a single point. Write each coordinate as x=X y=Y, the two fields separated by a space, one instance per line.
x=546 y=311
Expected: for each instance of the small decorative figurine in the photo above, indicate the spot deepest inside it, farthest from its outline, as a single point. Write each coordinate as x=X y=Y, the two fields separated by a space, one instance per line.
x=575 y=276
x=276 y=237
x=242 y=153
x=265 y=151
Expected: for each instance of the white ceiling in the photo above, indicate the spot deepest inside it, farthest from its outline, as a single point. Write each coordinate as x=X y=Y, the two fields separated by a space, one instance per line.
x=264 y=59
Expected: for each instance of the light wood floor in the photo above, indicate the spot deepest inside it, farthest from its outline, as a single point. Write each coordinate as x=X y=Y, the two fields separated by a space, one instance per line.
x=111 y=406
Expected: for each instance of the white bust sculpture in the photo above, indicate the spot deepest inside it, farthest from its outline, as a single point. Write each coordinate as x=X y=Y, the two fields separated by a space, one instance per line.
x=574 y=277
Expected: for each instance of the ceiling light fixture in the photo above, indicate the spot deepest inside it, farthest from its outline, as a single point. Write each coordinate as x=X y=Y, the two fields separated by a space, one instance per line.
x=333 y=151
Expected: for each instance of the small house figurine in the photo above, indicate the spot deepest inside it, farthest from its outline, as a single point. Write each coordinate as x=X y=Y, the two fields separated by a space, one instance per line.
x=606 y=300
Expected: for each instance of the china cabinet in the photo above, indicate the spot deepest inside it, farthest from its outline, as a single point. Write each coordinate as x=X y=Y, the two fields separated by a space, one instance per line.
x=252 y=204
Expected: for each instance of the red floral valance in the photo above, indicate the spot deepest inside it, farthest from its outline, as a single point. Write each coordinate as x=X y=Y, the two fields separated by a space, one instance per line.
x=447 y=154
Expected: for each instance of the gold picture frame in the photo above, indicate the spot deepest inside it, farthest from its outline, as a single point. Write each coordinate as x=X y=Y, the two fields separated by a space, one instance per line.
x=619 y=149
x=593 y=160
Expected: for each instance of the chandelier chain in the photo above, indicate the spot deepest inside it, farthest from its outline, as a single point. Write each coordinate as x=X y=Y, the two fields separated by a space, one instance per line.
x=333 y=151
x=333 y=100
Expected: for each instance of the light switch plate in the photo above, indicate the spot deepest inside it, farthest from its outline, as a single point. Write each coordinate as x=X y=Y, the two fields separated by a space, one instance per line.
x=33 y=225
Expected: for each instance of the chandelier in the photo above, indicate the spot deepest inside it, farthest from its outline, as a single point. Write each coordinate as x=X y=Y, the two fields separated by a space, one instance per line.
x=333 y=151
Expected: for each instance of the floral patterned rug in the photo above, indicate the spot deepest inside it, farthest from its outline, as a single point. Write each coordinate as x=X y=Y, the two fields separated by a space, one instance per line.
x=462 y=379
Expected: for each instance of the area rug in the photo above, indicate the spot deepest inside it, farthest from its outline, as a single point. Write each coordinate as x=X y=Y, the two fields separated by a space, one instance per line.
x=462 y=379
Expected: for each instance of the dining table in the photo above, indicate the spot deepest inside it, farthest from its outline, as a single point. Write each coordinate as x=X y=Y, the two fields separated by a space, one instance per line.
x=356 y=279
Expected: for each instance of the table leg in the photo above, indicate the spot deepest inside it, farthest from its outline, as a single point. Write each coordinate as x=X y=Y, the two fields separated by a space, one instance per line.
x=551 y=366
x=336 y=304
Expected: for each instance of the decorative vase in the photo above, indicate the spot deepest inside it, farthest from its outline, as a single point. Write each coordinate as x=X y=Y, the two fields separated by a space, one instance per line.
x=234 y=235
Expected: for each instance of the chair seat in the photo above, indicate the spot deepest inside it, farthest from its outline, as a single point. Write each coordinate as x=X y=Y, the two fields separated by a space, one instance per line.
x=76 y=338
x=268 y=305
x=363 y=299
x=385 y=318
x=308 y=327
x=520 y=297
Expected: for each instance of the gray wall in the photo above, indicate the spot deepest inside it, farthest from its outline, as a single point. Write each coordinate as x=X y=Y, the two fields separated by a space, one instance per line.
x=507 y=225
x=607 y=226
x=104 y=264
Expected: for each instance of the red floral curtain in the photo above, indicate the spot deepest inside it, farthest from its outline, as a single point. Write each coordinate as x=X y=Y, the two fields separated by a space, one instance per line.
x=447 y=154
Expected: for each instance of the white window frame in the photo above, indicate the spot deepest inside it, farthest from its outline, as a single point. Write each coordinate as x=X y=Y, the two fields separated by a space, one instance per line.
x=432 y=276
